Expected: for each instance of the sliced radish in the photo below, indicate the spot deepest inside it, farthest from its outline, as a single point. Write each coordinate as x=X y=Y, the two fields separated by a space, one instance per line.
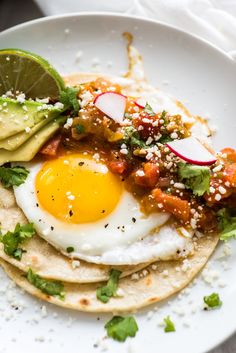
x=141 y=102
x=112 y=104
x=192 y=151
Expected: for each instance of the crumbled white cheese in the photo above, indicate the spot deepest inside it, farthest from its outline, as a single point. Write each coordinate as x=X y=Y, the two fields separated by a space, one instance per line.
x=217 y=168
x=27 y=129
x=165 y=273
x=21 y=98
x=124 y=151
x=174 y=135
x=179 y=185
x=217 y=197
x=75 y=264
x=68 y=123
x=140 y=173
x=135 y=277
x=85 y=98
x=96 y=156
x=149 y=140
x=222 y=190
x=59 y=105
x=43 y=100
x=120 y=292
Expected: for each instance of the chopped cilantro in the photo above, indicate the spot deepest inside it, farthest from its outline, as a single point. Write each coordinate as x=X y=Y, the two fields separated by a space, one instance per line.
x=163 y=116
x=109 y=290
x=119 y=328
x=128 y=116
x=227 y=224
x=54 y=288
x=70 y=249
x=69 y=98
x=12 y=240
x=80 y=129
x=132 y=138
x=10 y=176
x=165 y=139
x=169 y=325
x=148 y=109
x=213 y=301
x=195 y=177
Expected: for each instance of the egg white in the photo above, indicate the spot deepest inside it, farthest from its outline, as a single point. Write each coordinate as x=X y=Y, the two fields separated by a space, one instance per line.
x=123 y=241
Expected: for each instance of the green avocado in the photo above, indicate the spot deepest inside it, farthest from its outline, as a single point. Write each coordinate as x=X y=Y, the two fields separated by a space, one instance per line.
x=29 y=149
x=13 y=142
x=18 y=117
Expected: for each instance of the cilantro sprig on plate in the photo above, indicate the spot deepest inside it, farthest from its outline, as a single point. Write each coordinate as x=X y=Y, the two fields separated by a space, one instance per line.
x=227 y=224
x=50 y=287
x=196 y=178
x=13 y=240
x=13 y=176
x=169 y=325
x=119 y=328
x=212 y=301
x=104 y=293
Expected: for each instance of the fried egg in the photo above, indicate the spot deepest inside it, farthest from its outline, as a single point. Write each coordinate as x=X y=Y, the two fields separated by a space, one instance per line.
x=84 y=210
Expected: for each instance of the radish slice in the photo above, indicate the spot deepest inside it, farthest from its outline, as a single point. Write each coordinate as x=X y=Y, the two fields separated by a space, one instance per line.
x=191 y=151
x=112 y=104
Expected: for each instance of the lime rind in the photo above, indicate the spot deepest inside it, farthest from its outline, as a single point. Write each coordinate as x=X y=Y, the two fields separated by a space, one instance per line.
x=29 y=73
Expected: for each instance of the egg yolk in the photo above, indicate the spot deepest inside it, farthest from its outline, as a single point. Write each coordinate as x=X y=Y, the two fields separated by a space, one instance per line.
x=77 y=189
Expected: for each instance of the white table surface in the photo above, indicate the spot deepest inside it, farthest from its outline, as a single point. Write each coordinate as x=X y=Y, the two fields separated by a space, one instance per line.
x=13 y=12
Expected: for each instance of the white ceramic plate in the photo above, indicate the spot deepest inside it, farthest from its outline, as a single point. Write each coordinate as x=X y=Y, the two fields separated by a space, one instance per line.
x=196 y=73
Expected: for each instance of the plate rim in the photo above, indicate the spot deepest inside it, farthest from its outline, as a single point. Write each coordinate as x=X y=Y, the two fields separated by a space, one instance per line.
x=163 y=24
x=118 y=15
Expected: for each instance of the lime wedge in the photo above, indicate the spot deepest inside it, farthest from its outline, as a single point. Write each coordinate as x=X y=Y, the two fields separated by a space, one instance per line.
x=28 y=73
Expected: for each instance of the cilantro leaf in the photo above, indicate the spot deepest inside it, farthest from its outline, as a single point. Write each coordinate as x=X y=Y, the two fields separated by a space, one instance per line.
x=54 y=288
x=132 y=138
x=163 y=116
x=169 y=325
x=227 y=224
x=109 y=290
x=148 y=109
x=10 y=176
x=165 y=139
x=128 y=116
x=80 y=129
x=12 y=240
x=195 y=177
x=119 y=328
x=213 y=301
x=70 y=249
x=70 y=100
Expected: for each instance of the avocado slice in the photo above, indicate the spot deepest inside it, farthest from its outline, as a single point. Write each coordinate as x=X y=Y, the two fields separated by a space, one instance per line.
x=13 y=142
x=29 y=149
x=16 y=117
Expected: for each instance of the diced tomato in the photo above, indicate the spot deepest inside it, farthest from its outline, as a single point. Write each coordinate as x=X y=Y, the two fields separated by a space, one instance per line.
x=230 y=153
x=118 y=167
x=211 y=197
x=147 y=176
x=164 y=182
x=207 y=220
x=146 y=125
x=51 y=147
x=230 y=174
x=173 y=204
